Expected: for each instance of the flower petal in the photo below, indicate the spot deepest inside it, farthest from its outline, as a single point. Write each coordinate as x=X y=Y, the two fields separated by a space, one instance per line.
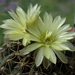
x=56 y=47
x=34 y=38
x=58 y=22
x=33 y=29
x=68 y=34
x=19 y=16
x=63 y=29
x=55 y=22
x=46 y=52
x=48 y=20
x=24 y=41
x=13 y=32
x=30 y=48
x=60 y=47
x=14 y=16
x=61 y=22
x=40 y=25
x=52 y=56
x=39 y=57
x=71 y=46
x=46 y=63
x=61 y=56
x=66 y=37
x=14 y=36
x=32 y=14
x=11 y=24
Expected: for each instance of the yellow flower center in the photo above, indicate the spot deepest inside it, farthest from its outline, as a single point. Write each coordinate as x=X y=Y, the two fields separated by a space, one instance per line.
x=48 y=38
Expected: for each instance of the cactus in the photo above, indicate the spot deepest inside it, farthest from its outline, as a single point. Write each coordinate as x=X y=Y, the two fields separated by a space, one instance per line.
x=32 y=47
x=11 y=63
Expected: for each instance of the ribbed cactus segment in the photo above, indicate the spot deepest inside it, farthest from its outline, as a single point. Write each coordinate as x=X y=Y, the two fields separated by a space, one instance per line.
x=11 y=62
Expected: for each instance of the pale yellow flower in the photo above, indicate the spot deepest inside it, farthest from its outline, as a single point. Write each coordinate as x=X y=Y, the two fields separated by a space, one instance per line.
x=16 y=27
x=50 y=37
